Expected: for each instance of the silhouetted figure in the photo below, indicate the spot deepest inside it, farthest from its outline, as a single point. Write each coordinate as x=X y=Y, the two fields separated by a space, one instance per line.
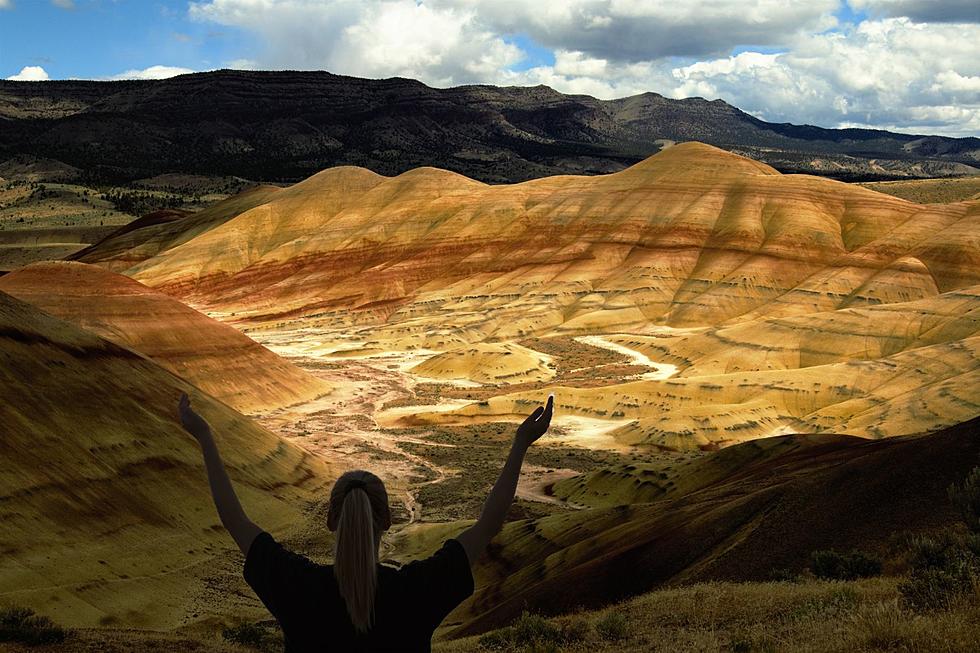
x=357 y=604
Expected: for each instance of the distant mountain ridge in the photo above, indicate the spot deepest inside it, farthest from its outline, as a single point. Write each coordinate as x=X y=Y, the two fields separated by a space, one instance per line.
x=286 y=125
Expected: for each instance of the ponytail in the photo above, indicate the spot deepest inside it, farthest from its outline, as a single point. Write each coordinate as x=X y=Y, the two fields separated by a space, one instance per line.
x=359 y=514
x=356 y=558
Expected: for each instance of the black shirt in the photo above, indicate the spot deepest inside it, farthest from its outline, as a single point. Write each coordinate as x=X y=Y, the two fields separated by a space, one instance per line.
x=409 y=604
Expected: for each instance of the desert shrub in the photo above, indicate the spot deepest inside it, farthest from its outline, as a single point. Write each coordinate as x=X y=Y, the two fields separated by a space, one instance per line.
x=747 y=643
x=573 y=629
x=945 y=569
x=784 y=575
x=937 y=588
x=24 y=626
x=532 y=633
x=945 y=550
x=612 y=627
x=885 y=627
x=838 y=600
x=834 y=565
x=966 y=498
x=932 y=553
x=252 y=635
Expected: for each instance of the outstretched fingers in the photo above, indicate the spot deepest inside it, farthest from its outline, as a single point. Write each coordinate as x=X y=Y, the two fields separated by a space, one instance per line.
x=533 y=417
x=547 y=411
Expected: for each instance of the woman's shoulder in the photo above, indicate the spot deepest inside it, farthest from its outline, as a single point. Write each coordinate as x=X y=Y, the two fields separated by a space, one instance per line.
x=267 y=551
x=450 y=559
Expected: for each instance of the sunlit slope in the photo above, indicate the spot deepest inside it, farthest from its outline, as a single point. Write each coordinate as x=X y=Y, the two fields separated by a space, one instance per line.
x=692 y=236
x=737 y=515
x=151 y=234
x=787 y=302
x=486 y=363
x=851 y=334
x=213 y=356
x=909 y=392
x=931 y=191
x=875 y=371
x=649 y=482
x=104 y=501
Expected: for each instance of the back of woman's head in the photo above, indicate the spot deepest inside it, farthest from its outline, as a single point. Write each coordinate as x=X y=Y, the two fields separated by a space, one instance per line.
x=359 y=514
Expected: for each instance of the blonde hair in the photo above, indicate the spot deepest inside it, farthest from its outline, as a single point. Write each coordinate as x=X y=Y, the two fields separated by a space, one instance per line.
x=359 y=514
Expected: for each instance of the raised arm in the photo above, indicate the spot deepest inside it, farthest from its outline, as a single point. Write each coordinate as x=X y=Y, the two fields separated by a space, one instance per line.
x=241 y=528
x=476 y=537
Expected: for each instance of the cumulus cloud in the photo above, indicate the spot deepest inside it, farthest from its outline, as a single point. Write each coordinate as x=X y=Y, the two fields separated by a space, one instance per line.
x=30 y=74
x=371 y=38
x=912 y=66
x=641 y=30
x=153 y=72
x=885 y=73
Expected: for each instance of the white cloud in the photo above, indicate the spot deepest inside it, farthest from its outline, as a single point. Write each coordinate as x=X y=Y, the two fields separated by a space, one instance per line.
x=643 y=30
x=953 y=82
x=371 y=38
x=6 y=4
x=576 y=64
x=153 y=72
x=242 y=64
x=64 y=4
x=412 y=40
x=30 y=74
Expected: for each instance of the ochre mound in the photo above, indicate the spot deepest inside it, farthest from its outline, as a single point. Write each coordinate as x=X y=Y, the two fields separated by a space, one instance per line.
x=151 y=234
x=873 y=372
x=213 y=356
x=104 y=501
x=786 y=302
x=691 y=236
x=487 y=363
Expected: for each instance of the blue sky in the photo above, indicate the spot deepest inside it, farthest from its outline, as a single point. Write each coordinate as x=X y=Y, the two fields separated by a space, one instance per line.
x=100 y=39
x=834 y=63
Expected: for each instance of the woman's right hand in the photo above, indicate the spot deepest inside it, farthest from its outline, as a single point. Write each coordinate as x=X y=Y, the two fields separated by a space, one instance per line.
x=191 y=420
x=536 y=424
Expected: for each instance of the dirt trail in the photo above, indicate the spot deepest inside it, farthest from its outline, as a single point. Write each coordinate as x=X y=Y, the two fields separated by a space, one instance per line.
x=340 y=426
x=535 y=483
x=660 y=370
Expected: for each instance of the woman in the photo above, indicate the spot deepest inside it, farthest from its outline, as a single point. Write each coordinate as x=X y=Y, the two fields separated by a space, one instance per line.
x=357 y=604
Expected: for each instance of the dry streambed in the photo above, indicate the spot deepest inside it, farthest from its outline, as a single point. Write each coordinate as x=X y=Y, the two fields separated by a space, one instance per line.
x=437 y=474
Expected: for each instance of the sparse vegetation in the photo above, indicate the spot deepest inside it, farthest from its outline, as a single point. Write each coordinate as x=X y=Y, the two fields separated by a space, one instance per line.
x=142 y=202
x=966 y=498
x=254 y=636
x=833 y=565
x=944 y=571
x=814 y=616
x=22 y=625
x=533 y=633
x=612 y=627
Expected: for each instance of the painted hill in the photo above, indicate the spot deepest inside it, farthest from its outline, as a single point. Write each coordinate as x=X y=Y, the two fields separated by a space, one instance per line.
x=104 y=501
x=787 y=303
x=691 y=236
x=289 y=124
x=153 y=233
x=738 y=514
x=213 y=356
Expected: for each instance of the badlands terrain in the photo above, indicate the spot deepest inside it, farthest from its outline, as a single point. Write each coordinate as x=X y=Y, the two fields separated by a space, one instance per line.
x=744 y=364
